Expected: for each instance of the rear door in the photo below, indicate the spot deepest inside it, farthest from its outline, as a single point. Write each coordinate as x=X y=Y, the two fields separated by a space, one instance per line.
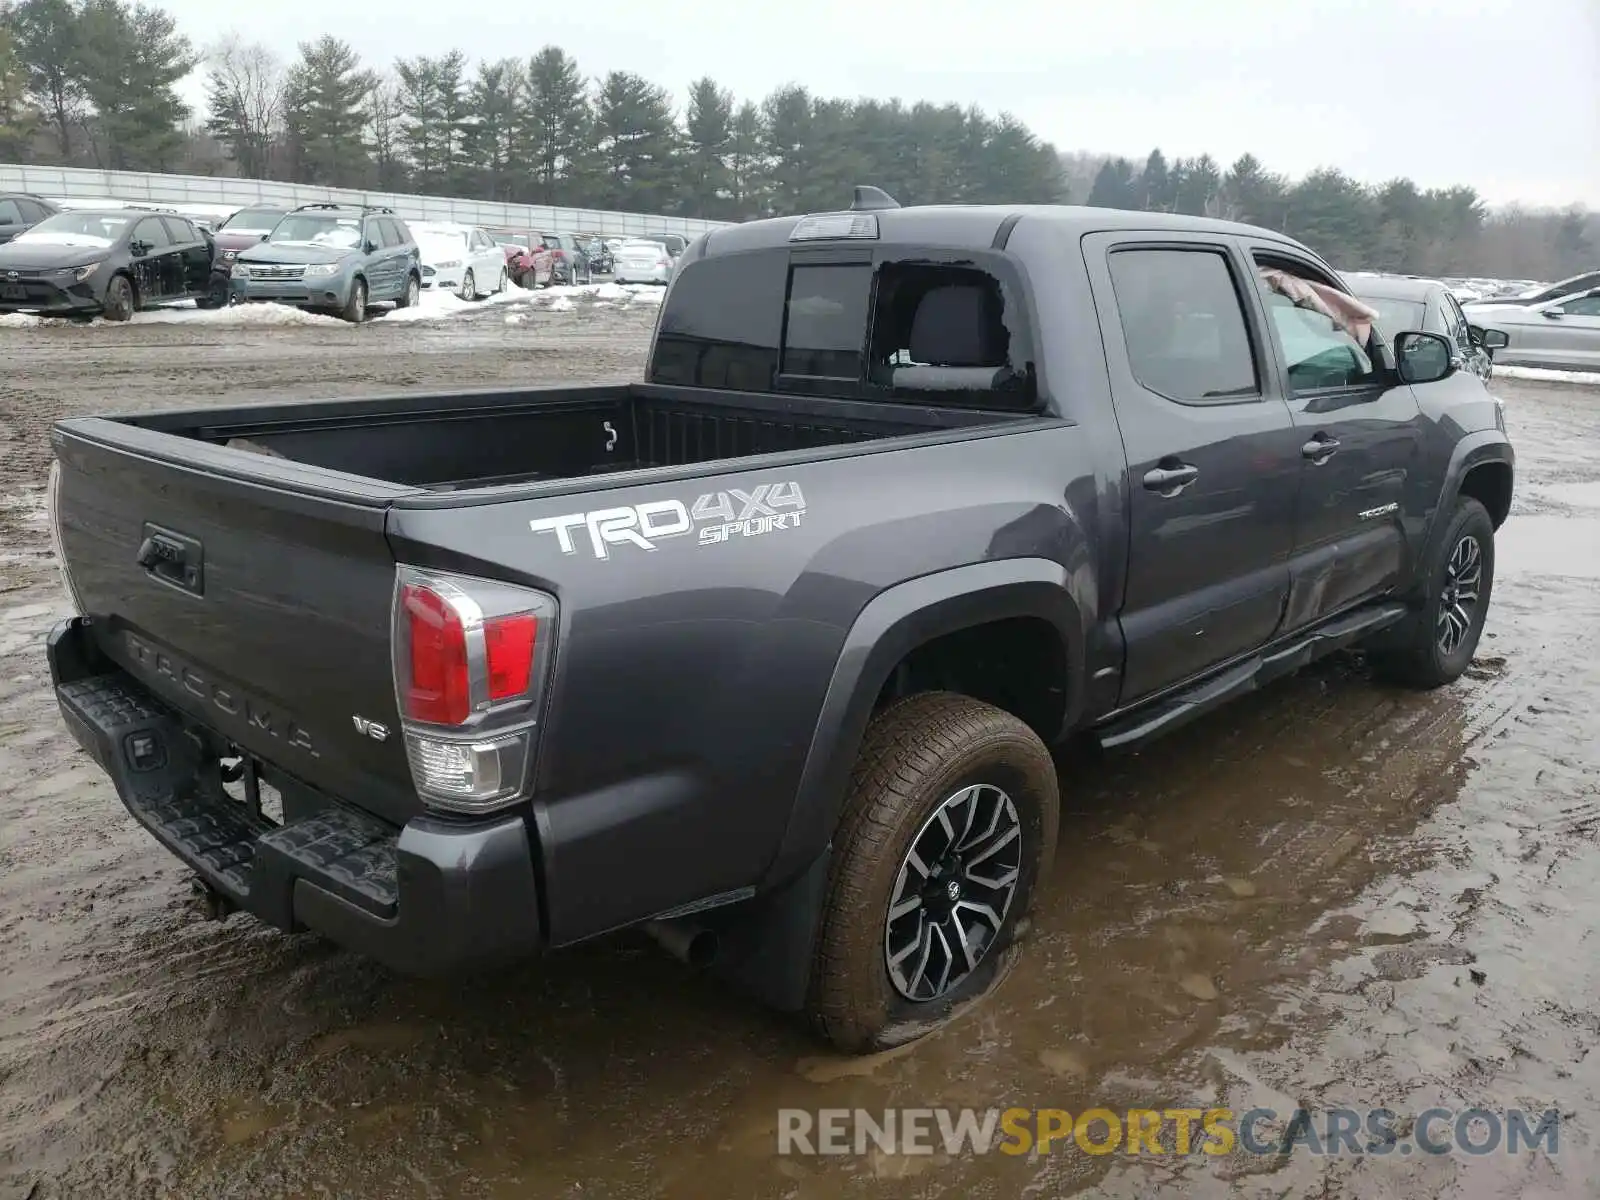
x=1360 y=434
x=156 y=271
x=1573 y=332
x=1213 y=460
x=194 y=256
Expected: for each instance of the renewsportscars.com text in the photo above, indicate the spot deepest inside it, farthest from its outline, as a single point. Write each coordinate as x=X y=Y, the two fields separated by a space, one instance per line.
x=1166 y=1131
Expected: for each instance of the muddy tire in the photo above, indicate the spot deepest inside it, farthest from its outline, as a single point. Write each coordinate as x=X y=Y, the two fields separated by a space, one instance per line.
x=120 y=302
x=970 y=788
x=355 y=308
x=412 y=296
x=1435 y=645
x=469 y=287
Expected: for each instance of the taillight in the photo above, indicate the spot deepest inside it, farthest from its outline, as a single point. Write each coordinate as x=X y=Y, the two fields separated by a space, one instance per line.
x=470 y=656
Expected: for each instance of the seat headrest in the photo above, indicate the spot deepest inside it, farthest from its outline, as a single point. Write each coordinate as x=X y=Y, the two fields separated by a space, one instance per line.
x=957 y=326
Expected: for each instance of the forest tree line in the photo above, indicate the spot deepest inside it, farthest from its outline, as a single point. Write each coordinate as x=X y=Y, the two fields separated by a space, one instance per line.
x=95 y=83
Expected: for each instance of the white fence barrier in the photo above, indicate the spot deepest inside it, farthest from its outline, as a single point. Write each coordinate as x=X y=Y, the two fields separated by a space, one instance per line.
x=201 y=195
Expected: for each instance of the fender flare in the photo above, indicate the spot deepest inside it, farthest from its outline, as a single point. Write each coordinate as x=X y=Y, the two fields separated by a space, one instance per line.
x=1473 y=450
x=890 y=626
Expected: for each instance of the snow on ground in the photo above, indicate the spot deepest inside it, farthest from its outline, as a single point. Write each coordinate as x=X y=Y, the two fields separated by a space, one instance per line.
x=434 y=307
x=1586 y=378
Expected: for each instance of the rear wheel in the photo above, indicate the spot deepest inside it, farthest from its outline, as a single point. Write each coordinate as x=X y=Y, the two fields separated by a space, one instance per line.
x=504 y=279
x=1434 y=646
x=949 y=825
x=120 y=301
x=412 y=294
x=355 y=308
x=216 y=293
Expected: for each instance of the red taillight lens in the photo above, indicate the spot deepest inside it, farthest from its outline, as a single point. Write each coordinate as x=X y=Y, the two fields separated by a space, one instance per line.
x=439 y=690
x=508 y=645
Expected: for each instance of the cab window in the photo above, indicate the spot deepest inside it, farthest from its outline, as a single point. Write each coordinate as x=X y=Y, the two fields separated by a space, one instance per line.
x=1316 y=336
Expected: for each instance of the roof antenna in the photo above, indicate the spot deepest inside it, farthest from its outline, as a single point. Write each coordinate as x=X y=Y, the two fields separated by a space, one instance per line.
x=869 y=198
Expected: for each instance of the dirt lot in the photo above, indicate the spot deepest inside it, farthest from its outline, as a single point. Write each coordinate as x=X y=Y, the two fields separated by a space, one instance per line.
x=1334 y=894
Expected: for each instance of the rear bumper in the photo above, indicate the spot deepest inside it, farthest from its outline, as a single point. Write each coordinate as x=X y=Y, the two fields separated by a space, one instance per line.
x=429 y=898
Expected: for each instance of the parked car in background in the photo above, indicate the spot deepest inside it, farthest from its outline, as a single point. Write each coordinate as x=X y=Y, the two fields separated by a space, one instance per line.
x=571 y=263
x=22 y=210
x=643 y=260
x=1570 y=286
x=462 y=259
x=675 y=243
x=337 y=257
x=111 y=262
x=601 y=260
x=1427 y=304
x=245 y=228
x=527 y=261
x=1562 y=334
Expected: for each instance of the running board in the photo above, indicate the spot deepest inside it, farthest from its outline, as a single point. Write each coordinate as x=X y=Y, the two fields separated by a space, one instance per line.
x=1134 y=728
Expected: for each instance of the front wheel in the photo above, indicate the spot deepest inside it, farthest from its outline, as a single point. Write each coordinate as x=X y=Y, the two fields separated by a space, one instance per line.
x=1434 y=645
x=120 y=301
x=948 y=828
x=469 y=287
x=355 y=308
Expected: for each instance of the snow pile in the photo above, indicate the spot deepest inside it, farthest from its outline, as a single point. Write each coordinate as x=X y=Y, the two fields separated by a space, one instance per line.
x=20 y=321
x=238 y=316
x=1545 y=375
x=435 y=305
x=560 y=304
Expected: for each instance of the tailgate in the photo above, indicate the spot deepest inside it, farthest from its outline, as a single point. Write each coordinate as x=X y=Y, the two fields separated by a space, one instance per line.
x=250 y=592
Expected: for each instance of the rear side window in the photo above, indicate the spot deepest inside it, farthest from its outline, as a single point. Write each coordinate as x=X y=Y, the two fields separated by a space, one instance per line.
x=10 y=213
x=825 y=326
x=180 y=231
x=1184 y=325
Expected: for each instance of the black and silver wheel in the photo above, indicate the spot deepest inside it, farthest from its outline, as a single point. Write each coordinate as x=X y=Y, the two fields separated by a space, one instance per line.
x=412 y=295
x=1436 y=644
x=469 y=287
x=949 y=825
x=953 y=893
x=120 y=301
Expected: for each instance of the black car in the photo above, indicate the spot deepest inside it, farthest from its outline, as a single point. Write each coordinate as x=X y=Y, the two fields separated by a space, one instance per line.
x=571 y=261
x=107 y=261
x=20 y=211
x=1428 y=305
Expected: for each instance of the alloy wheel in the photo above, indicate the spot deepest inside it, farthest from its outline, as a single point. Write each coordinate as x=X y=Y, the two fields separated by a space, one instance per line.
x=1458 y=599
x=954 y=889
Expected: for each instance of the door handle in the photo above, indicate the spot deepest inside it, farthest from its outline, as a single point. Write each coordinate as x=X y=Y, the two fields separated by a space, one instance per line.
x=1170 y=480
x=1320 y=448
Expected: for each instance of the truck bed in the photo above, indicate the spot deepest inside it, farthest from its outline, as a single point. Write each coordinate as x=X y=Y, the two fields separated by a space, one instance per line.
x=497 y=438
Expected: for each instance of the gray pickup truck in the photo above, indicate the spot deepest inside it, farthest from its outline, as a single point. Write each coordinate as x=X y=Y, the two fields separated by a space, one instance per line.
x=765 y=653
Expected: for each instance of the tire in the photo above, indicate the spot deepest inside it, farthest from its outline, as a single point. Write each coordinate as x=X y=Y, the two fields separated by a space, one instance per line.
x=504 y=280
x=412 y=295
x=469 y=286
x=1435 y=645
x=355 y=308
x=216 y=295
x=588 y=274
x=121 y=302
x=919 y=758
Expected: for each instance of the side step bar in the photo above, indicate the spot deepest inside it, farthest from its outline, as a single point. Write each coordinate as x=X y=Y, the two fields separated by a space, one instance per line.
x=1129 y=730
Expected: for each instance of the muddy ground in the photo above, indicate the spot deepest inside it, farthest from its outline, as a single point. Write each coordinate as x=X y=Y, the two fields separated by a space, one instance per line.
x=1332 y=894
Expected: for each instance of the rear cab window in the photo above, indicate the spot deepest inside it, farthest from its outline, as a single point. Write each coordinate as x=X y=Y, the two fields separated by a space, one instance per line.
x=891 y=323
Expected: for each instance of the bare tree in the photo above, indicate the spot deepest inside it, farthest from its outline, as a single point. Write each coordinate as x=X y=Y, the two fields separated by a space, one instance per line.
x=385 y=119
x=245 y=93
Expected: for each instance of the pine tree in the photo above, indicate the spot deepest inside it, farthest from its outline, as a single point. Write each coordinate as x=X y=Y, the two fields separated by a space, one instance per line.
x=748 y=169
x=1155 y=185
x=636 y=141
x=47 y=39
x=491 y=136
x=708 y=124
x=1114 y=186
x=327 y=114
x=132 y=60
x=789 y=148
x=556 y=129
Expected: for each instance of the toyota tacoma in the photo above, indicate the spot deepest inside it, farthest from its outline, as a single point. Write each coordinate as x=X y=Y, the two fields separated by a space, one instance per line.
x=765 y=654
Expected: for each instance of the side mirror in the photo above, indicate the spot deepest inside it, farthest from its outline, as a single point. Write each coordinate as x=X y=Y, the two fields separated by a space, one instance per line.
x=265 y=236
x=371 y=247
x=1493 y=339
x=1424 y=357
x=137 y=248
x=1551 y=314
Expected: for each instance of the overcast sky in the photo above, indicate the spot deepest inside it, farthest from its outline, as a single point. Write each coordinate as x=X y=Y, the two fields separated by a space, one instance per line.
x=1503 y=95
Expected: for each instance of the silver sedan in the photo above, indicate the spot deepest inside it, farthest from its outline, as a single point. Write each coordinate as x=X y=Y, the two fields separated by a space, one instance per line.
x=1563 y=333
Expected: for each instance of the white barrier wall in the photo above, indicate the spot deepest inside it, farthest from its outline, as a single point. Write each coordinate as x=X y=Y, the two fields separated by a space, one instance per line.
x=204 y=194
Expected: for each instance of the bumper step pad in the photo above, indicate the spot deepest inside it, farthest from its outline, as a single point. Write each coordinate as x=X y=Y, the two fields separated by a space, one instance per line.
x=165 y=783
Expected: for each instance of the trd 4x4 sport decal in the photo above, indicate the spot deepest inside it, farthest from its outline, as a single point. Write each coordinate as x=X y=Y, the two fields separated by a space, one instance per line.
x=714 y=517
